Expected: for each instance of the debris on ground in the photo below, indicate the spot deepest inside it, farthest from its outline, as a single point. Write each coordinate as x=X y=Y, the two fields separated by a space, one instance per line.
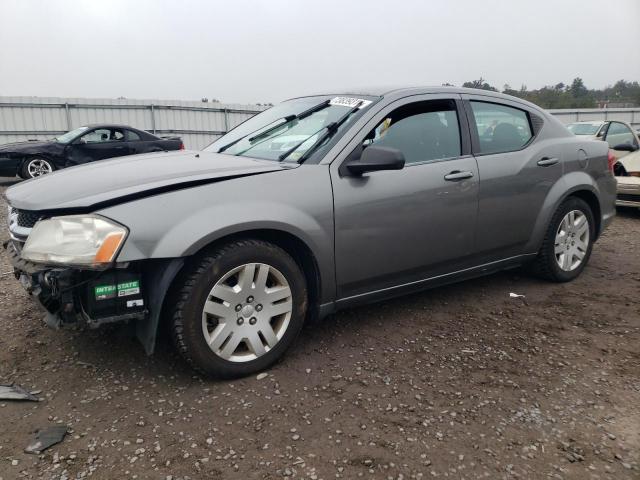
x=45 y=438
x=15 y=392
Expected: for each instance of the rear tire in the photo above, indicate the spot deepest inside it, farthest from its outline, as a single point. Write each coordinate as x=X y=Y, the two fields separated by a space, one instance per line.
x=568 y=242
x=256 y=318
x=36 y=167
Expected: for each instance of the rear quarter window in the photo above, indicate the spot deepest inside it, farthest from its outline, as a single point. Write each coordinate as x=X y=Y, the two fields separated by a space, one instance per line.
x=500 y=128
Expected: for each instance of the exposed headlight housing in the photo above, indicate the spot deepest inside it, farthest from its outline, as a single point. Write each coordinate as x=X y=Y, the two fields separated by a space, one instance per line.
x=83 y=240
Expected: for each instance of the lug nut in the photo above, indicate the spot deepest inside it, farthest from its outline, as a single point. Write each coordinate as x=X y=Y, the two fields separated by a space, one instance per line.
x=253 y=320
x=240 y=321
x=249 y=299
x=238 y=307
x=259 y=307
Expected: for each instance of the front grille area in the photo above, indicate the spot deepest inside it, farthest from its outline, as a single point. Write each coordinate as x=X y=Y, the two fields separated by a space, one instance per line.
x=21 y=222
x=26 y=218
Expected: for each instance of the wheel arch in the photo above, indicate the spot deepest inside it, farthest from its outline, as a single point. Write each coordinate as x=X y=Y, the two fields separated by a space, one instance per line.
x=290 y=243
x=577 y=184
x=168 y=273
x=592 y=200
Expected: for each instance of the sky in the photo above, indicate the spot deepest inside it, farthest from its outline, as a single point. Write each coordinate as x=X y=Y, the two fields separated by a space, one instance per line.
x=247 y=51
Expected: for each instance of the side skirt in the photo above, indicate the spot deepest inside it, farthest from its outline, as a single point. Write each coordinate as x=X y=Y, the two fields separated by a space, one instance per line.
x=425 y=284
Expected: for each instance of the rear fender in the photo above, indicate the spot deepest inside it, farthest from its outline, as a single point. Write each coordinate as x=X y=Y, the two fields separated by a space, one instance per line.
x=565 y=186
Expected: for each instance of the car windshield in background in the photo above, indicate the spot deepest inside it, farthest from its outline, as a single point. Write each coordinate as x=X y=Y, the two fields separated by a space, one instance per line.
x=584 y=128
x=289 y=130
x=69 y=136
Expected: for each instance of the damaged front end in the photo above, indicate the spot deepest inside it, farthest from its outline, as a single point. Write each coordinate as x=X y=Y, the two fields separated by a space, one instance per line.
x=130 y=293
x=82 y=298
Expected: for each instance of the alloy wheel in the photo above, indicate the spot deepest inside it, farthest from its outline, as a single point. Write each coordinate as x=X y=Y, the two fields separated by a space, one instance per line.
x=38 y=167
x=247 y=312
x=572 y=240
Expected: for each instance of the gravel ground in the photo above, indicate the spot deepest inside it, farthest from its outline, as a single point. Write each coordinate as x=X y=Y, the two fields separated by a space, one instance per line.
x=459 y=382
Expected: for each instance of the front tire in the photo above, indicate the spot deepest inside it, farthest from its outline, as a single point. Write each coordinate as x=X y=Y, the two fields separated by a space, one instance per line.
x=238 y=308
x=36 y=167
x=567 y=243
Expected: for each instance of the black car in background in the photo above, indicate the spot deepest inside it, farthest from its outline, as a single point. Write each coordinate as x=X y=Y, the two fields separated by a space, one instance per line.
x=84 y=144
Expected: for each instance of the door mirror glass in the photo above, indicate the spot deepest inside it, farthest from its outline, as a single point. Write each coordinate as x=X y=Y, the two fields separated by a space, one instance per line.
x=376 y=158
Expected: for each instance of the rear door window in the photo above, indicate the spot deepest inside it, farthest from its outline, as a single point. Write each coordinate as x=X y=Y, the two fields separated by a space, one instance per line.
x=500 y=128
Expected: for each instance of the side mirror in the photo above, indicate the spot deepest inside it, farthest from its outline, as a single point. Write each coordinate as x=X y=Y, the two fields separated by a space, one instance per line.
x=79 y=141
x=625 y=147
x=375 y=158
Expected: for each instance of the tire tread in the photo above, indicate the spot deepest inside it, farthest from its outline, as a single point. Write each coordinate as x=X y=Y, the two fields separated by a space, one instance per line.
x=189 y=279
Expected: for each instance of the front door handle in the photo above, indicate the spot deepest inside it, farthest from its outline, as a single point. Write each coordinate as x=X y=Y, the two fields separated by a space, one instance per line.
x=547 y=161
x=457 y=175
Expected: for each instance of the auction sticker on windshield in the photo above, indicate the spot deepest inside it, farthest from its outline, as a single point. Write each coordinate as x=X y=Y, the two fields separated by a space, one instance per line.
x=349 y=102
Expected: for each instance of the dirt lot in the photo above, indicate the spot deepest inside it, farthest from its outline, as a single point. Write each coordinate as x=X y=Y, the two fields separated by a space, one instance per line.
x=460 y=382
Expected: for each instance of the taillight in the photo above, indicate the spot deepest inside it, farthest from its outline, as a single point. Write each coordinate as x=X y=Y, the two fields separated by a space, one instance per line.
x=181 y=146
x=611 y=158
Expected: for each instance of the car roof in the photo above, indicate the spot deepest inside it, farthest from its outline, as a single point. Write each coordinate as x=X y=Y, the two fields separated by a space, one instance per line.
x=401 y=91
x=109 y=125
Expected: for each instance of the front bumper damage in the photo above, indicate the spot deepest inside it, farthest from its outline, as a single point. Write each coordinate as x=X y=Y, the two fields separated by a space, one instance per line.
x=80 y=298
x=628 y=191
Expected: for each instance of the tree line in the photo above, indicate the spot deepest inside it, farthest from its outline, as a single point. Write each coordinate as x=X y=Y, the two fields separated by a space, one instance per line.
x=573 y=95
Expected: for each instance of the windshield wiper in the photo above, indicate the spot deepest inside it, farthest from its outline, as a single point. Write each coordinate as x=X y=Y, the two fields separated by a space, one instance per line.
x=330 y=130
x=285 y=120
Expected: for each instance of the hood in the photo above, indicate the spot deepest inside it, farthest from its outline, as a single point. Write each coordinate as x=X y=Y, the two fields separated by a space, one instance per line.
x=109 y=182
x=25 y=147
x=631 y=161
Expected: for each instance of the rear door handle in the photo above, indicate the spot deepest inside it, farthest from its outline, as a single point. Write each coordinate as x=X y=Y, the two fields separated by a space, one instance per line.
x=457 y=175
x=547 y=161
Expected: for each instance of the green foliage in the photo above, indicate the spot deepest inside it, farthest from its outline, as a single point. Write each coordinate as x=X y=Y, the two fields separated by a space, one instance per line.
x=575 y=95
x=480 y=83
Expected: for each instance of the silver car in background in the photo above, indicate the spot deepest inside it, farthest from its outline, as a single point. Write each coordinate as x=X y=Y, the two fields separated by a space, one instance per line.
x=624 y=151
x=317 y=204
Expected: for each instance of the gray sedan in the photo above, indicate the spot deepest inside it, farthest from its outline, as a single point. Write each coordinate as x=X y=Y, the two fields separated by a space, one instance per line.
x=318 y=204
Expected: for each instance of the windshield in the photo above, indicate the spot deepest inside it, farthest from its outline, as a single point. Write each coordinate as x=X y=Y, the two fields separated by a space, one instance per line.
x=275 y=132
x=584 y=128
x=69 y=136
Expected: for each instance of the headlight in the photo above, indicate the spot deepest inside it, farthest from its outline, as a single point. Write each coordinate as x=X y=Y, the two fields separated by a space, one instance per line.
x=74 y=240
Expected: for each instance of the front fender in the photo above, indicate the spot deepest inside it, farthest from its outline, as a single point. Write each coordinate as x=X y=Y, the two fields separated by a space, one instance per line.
x=180 y=223
x=229 y=219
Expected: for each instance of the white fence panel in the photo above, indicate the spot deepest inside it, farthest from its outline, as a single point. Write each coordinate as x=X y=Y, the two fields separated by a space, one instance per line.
x=31 y=118
x=25 y=118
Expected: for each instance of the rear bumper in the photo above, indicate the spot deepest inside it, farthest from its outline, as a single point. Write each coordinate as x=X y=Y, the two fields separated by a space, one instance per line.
x=628 y=192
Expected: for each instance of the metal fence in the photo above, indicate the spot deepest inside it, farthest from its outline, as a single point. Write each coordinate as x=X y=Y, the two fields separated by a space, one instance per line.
x=198 y=123
x=629 y=115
